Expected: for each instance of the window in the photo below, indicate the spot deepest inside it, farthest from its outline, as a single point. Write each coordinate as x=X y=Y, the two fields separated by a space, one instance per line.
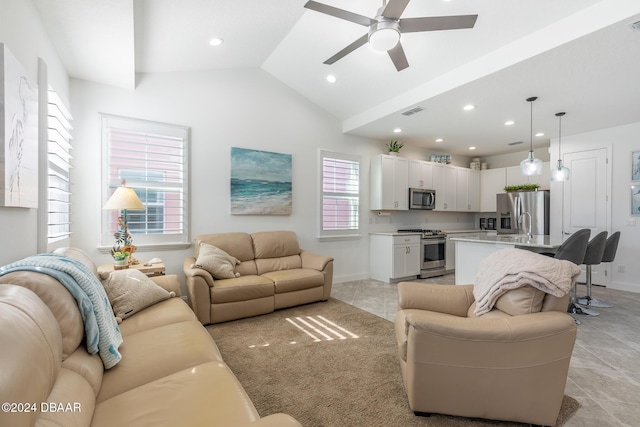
x=340 y=201
x=152 y=158
x=58 y=167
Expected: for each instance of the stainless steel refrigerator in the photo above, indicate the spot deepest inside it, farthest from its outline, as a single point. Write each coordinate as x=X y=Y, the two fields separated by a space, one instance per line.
x=511 y=207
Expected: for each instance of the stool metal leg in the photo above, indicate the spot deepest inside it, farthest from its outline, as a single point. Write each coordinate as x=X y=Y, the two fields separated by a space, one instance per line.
x=575 y=308
x=588 y=300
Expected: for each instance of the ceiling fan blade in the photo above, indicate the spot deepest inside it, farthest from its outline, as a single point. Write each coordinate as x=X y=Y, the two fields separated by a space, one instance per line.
x=347 y=50
x=339 y=13
x=398 y=57
x=437 y=23
x=394 y=9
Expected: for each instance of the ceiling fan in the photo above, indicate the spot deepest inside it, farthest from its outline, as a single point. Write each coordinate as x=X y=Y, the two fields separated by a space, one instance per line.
x=386 y=28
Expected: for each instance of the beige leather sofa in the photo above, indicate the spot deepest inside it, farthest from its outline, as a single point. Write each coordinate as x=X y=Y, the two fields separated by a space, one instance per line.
x=496 y=366
x=171 y=372
x=274 y=273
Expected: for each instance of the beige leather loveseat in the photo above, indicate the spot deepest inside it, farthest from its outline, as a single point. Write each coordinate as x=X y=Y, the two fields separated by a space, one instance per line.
x=273 y=272
x=171 y=372
x=497 y=366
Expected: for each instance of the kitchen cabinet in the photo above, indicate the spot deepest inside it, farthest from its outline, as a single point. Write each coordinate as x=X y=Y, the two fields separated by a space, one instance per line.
x=492 y=182
x=444 y=182
x=389 y=183
x=420 y=174
x=467 y=190
x=393 y=257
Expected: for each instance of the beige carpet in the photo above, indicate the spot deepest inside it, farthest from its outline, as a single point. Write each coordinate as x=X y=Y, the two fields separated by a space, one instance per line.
x=291 y=366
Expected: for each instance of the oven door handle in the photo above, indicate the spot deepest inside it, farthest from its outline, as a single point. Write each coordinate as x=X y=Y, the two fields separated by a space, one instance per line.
x=433 y=241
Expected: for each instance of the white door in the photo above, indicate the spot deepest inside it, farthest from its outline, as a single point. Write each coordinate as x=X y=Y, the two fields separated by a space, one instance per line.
x=586 y=201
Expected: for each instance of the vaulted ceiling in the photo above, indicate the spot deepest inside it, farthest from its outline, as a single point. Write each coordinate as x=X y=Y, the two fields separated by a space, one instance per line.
x=578 y=56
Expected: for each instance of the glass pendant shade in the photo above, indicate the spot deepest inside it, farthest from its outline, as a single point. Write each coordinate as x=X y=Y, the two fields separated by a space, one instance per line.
x=531 y=165
x=560 y=172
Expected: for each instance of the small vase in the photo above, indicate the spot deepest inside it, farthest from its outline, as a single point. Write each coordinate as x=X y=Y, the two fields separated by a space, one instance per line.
x=119 y=264
x=393 y=153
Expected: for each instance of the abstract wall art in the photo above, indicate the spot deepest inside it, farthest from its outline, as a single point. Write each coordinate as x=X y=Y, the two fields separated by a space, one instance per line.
x=18 y=134
x=260 y=182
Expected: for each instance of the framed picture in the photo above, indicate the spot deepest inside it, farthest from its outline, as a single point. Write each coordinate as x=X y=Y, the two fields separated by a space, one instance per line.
x=635 y=166
x=260 y=182
x=635 y=200
x=18 y=134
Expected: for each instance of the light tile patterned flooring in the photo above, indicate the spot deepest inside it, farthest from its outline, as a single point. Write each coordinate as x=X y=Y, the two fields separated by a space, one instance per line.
x=604 y=375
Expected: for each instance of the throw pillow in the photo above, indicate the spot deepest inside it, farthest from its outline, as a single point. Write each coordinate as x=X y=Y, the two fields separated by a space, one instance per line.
x=130 y=291
x=220 y=264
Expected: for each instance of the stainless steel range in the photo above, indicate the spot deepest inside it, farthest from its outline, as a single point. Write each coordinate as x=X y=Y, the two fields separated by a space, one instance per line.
x=432 y=251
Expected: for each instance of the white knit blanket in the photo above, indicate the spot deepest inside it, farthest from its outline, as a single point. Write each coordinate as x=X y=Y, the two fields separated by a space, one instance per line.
x=512 y=268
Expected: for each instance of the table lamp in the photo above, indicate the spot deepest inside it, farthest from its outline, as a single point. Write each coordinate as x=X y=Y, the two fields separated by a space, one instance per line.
x=122 y=199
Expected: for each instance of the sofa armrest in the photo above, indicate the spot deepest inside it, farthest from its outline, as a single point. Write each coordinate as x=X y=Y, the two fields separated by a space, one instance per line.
x=448 y=299
x=169 y=282
x=198 y=282
x=275 y=420
x=313 y=261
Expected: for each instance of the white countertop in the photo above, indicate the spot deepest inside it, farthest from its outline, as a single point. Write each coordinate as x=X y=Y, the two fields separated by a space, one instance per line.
x=537 y=241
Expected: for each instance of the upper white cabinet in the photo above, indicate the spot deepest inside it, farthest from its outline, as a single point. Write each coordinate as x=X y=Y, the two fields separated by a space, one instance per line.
x=420 y=174
x=467 y=190
x=492 y=182
x=445 y=180
x=389 y=183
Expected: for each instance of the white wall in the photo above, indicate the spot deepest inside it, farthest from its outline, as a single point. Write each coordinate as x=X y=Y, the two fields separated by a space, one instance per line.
x=243 y=108
x=23 y=34
x=623 y=140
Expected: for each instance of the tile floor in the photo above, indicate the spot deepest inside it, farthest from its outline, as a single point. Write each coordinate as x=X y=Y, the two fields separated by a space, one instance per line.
x=604 y=375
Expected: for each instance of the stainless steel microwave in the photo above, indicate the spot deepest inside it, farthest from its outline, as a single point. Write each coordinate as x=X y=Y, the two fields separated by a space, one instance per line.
x=420 y=198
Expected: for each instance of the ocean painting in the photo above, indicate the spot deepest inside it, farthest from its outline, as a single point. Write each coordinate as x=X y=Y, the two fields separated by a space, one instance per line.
x=260 y=182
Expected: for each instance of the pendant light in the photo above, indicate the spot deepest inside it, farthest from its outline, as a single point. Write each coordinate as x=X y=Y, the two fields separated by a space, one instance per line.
x=531 y=165
x=560 y=172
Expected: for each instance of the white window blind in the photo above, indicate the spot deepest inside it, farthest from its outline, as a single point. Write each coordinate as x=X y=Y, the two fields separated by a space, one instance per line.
x=340 y=201
x=58 y=169
x=152 y=157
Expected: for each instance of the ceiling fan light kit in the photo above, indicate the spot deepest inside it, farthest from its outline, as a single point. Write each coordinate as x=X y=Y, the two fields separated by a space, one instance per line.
x=386 y=29
x=531 y=165
x=384 y=35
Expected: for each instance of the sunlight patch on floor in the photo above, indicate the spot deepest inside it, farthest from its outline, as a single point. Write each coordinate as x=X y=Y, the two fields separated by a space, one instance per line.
x=319 y=328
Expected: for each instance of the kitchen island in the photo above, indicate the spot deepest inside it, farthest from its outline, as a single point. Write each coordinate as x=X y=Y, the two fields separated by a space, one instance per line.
x=474 y=247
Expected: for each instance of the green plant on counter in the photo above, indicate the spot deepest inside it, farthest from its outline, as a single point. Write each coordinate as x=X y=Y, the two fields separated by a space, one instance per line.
x=521 y=187
x=394 y=146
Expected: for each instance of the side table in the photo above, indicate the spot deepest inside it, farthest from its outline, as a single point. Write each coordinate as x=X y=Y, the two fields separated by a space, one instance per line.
x=151 y=270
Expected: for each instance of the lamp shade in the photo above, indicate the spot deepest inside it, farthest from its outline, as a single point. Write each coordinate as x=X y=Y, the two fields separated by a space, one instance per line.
x=531 y=165
x=560 y=172
x=124 y=198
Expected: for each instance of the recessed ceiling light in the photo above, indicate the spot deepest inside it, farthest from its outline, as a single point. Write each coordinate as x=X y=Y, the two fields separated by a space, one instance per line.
x=509 y=123
x=472 y=148
x=331 y=78
x=439 y=140
x=636 y=25
x=216 y=41
x=397 y=130
x=468 y=107
x=540 y=134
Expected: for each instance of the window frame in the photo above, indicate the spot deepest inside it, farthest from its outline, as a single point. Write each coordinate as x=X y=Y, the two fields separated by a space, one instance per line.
x=338 y=233
x=147 y=241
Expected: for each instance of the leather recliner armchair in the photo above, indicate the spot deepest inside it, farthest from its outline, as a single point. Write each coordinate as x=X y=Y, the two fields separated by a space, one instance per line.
x=496 y=366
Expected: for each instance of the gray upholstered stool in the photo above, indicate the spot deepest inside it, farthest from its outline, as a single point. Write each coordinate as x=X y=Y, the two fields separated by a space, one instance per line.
x=573 y=249
x=609 y=254
x=593 y=256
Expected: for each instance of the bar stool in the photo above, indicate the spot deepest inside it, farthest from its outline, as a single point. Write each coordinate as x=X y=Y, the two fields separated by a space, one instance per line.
x=573 y=249
x=593 y=256
x=610 y=249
